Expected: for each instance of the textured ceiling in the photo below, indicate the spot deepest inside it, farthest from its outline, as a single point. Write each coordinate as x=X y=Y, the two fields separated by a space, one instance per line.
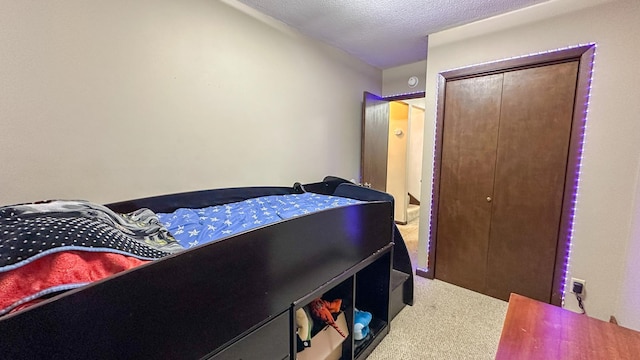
x=383 y=33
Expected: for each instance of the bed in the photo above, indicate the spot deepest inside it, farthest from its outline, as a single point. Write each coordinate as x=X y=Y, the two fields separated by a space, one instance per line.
x=232 y=297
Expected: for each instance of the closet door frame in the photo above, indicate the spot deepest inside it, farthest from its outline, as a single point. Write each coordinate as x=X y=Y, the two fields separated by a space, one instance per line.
x=584 y=54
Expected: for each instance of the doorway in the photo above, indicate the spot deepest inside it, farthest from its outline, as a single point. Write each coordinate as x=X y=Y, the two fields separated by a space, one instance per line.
x=391 y=157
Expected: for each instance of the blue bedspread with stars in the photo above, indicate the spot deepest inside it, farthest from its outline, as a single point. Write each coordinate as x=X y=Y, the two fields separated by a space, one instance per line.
x=193 y=227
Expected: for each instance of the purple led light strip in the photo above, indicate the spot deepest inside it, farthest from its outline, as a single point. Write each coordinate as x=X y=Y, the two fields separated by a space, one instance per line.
x=576 y=184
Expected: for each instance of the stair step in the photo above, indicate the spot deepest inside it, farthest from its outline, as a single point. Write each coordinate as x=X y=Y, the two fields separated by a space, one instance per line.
x=396 y=297
x=413 y=212
x=398 y=278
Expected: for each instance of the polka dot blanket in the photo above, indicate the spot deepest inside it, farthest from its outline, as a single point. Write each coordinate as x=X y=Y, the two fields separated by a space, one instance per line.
x=30 y=231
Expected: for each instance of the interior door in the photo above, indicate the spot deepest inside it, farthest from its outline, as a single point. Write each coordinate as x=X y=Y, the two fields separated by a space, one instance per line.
x=470 y=135
x=535 y=129
x=375 y=133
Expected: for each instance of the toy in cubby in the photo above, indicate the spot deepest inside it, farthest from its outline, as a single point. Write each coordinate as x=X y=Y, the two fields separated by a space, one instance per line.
x=318 y=312
x=361 y=320
x=324 y=311
x=304 y=324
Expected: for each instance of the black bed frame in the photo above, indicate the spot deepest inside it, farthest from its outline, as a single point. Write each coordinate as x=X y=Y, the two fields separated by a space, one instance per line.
x=233 y=298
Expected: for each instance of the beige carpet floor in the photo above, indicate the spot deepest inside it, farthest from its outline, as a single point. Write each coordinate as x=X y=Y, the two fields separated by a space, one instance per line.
x=446 y=321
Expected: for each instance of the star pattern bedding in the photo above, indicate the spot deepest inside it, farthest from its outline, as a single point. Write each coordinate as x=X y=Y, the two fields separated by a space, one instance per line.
x=193 y=227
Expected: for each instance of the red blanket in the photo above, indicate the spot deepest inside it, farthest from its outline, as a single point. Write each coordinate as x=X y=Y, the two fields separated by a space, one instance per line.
x=60 y=271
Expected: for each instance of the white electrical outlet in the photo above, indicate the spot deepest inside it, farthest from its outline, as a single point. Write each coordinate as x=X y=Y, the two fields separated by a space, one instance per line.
x=580 y=281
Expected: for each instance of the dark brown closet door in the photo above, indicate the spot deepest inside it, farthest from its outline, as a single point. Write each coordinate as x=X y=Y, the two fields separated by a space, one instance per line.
x=470 y=133
x=535 y=126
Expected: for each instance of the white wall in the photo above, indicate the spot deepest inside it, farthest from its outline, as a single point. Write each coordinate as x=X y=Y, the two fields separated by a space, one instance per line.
x=628 y=310
x=606 y=198
x=111 y=100
x=395 y=80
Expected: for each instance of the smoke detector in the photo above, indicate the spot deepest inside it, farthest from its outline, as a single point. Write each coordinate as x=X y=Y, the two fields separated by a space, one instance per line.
x=413 y=81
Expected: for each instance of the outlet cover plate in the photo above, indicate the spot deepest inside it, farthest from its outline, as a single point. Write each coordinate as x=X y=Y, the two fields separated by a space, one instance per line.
x=576 y=280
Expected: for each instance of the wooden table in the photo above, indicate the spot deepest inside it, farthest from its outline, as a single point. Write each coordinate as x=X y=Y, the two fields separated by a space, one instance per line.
x=535 y=330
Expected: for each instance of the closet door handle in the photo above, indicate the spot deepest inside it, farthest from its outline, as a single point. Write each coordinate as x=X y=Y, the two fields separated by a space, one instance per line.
x=489 y=199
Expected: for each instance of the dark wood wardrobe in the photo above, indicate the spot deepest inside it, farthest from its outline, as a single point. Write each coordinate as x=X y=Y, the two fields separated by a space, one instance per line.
x=507 y=150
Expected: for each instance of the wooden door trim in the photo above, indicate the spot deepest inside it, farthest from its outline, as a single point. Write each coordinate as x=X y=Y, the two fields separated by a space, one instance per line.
x=584 y=54
x=409 y=96
x=580 y=108
x=362 y=128
x=541 y=59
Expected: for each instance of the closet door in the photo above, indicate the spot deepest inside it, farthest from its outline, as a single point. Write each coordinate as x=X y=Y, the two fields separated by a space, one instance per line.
x=533 y=145
x=470 y=133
